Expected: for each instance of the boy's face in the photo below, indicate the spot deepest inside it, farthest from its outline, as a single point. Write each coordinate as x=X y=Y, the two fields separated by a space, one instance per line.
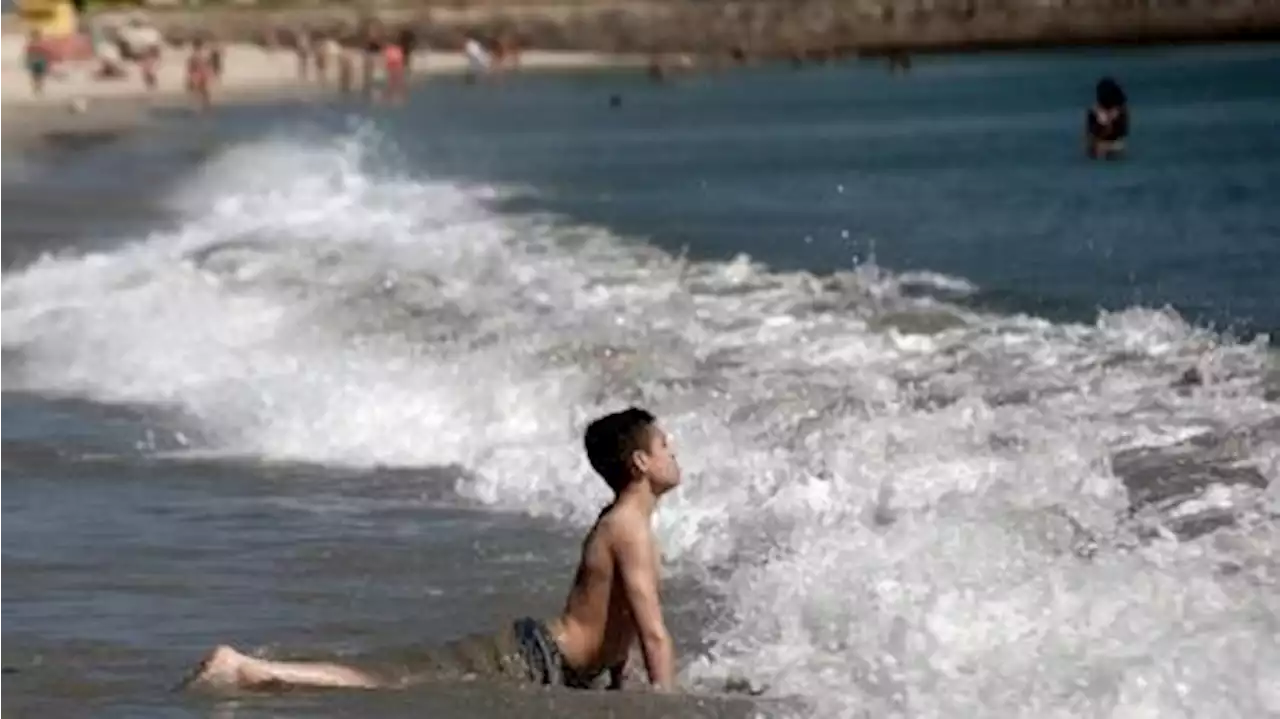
x=657 y=462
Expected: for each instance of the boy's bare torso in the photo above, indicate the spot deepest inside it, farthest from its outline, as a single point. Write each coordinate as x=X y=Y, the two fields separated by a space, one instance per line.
x=596 y=630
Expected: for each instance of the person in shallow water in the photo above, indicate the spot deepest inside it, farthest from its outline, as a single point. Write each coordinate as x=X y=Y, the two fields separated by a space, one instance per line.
x=612 y=603
x=1107 y=123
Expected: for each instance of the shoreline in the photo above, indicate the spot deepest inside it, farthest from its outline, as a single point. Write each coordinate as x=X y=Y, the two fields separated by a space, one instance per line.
x=257 y=76
x=119 y=106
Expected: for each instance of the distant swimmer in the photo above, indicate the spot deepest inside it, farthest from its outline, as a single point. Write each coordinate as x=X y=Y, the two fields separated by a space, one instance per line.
x=613 y=601
x=899 y=62
x=1107 y=122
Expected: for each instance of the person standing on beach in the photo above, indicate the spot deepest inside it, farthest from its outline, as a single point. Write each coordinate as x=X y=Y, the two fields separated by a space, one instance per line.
x=372 y=69
x=200 y=75
x=478 y=59
x=148 y=65
x=327 y=51
x=215 y=58
x=506 y=52
x=394 y=64
x=302 y=49
x=347 y=65
x=37 y=61
x=143 y=44
x=613 y=600
x=408 y=40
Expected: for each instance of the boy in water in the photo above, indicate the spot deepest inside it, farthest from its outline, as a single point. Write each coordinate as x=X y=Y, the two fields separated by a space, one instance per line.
x=612 y=603
x=1107 y=122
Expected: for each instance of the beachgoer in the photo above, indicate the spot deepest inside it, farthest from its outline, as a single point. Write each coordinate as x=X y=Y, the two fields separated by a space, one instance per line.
x=346 y=65
x=372 y=70
x=657 y=68
x=148 y=63
x=110 y=61
x=215 y=59
x=613 y=601
x=408 y=40
x=478 y=59
x=1107 y=122
x=393 y=62
x=302 y=49
x=511 y=50
x=327 y=51
x=37 y=59
x=140 y=38
x=200 y=74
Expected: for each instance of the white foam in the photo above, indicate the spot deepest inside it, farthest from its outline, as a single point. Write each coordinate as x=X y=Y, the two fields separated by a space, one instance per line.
x=899 y=515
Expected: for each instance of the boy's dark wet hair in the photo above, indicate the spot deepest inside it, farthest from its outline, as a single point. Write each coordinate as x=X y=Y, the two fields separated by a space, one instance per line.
x=610 y=441
x=1108 y=94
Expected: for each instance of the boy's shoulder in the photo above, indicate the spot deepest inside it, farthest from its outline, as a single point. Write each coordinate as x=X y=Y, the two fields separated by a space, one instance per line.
x=618 y=522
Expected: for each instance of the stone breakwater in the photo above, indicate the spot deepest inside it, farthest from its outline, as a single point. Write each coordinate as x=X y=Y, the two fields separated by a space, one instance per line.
x=748 y=29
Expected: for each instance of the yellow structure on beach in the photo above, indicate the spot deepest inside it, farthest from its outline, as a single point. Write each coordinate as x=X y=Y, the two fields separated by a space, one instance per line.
x=51 y=18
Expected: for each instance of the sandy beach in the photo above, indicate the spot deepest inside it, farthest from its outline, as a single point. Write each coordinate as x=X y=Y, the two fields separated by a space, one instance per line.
x=75 y=103
x=586 y=35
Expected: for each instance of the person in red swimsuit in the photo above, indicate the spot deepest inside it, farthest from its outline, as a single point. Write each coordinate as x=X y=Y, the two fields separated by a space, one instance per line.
x=393 y=61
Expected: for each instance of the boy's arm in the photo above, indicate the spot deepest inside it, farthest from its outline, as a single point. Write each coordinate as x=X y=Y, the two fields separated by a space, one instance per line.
x=635 y=559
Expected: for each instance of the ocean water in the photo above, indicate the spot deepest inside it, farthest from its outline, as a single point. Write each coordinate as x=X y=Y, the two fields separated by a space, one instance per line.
x=971 y=426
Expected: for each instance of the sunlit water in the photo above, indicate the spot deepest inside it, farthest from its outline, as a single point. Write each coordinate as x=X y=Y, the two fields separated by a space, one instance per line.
x=970 y=426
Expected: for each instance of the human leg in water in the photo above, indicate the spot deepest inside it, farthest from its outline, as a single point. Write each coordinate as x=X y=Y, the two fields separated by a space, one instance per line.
x=224 y=669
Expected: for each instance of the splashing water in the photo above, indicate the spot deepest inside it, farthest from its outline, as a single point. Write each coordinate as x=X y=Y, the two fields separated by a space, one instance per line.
x=907 y=507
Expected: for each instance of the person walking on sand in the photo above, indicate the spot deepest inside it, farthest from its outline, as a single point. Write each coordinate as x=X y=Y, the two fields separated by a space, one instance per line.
x=327 y=51
x=302 y=49
x=37 y=61
x=408 y=41
x=510 y=49
x=200 y=75
x=613 y=600
x=215 y=58
x=478 y=59
x=148 y=66
x=347 y=65
x=372 y=71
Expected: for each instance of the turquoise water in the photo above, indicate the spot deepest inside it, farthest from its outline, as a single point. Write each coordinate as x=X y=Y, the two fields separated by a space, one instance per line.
x=971 y=425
